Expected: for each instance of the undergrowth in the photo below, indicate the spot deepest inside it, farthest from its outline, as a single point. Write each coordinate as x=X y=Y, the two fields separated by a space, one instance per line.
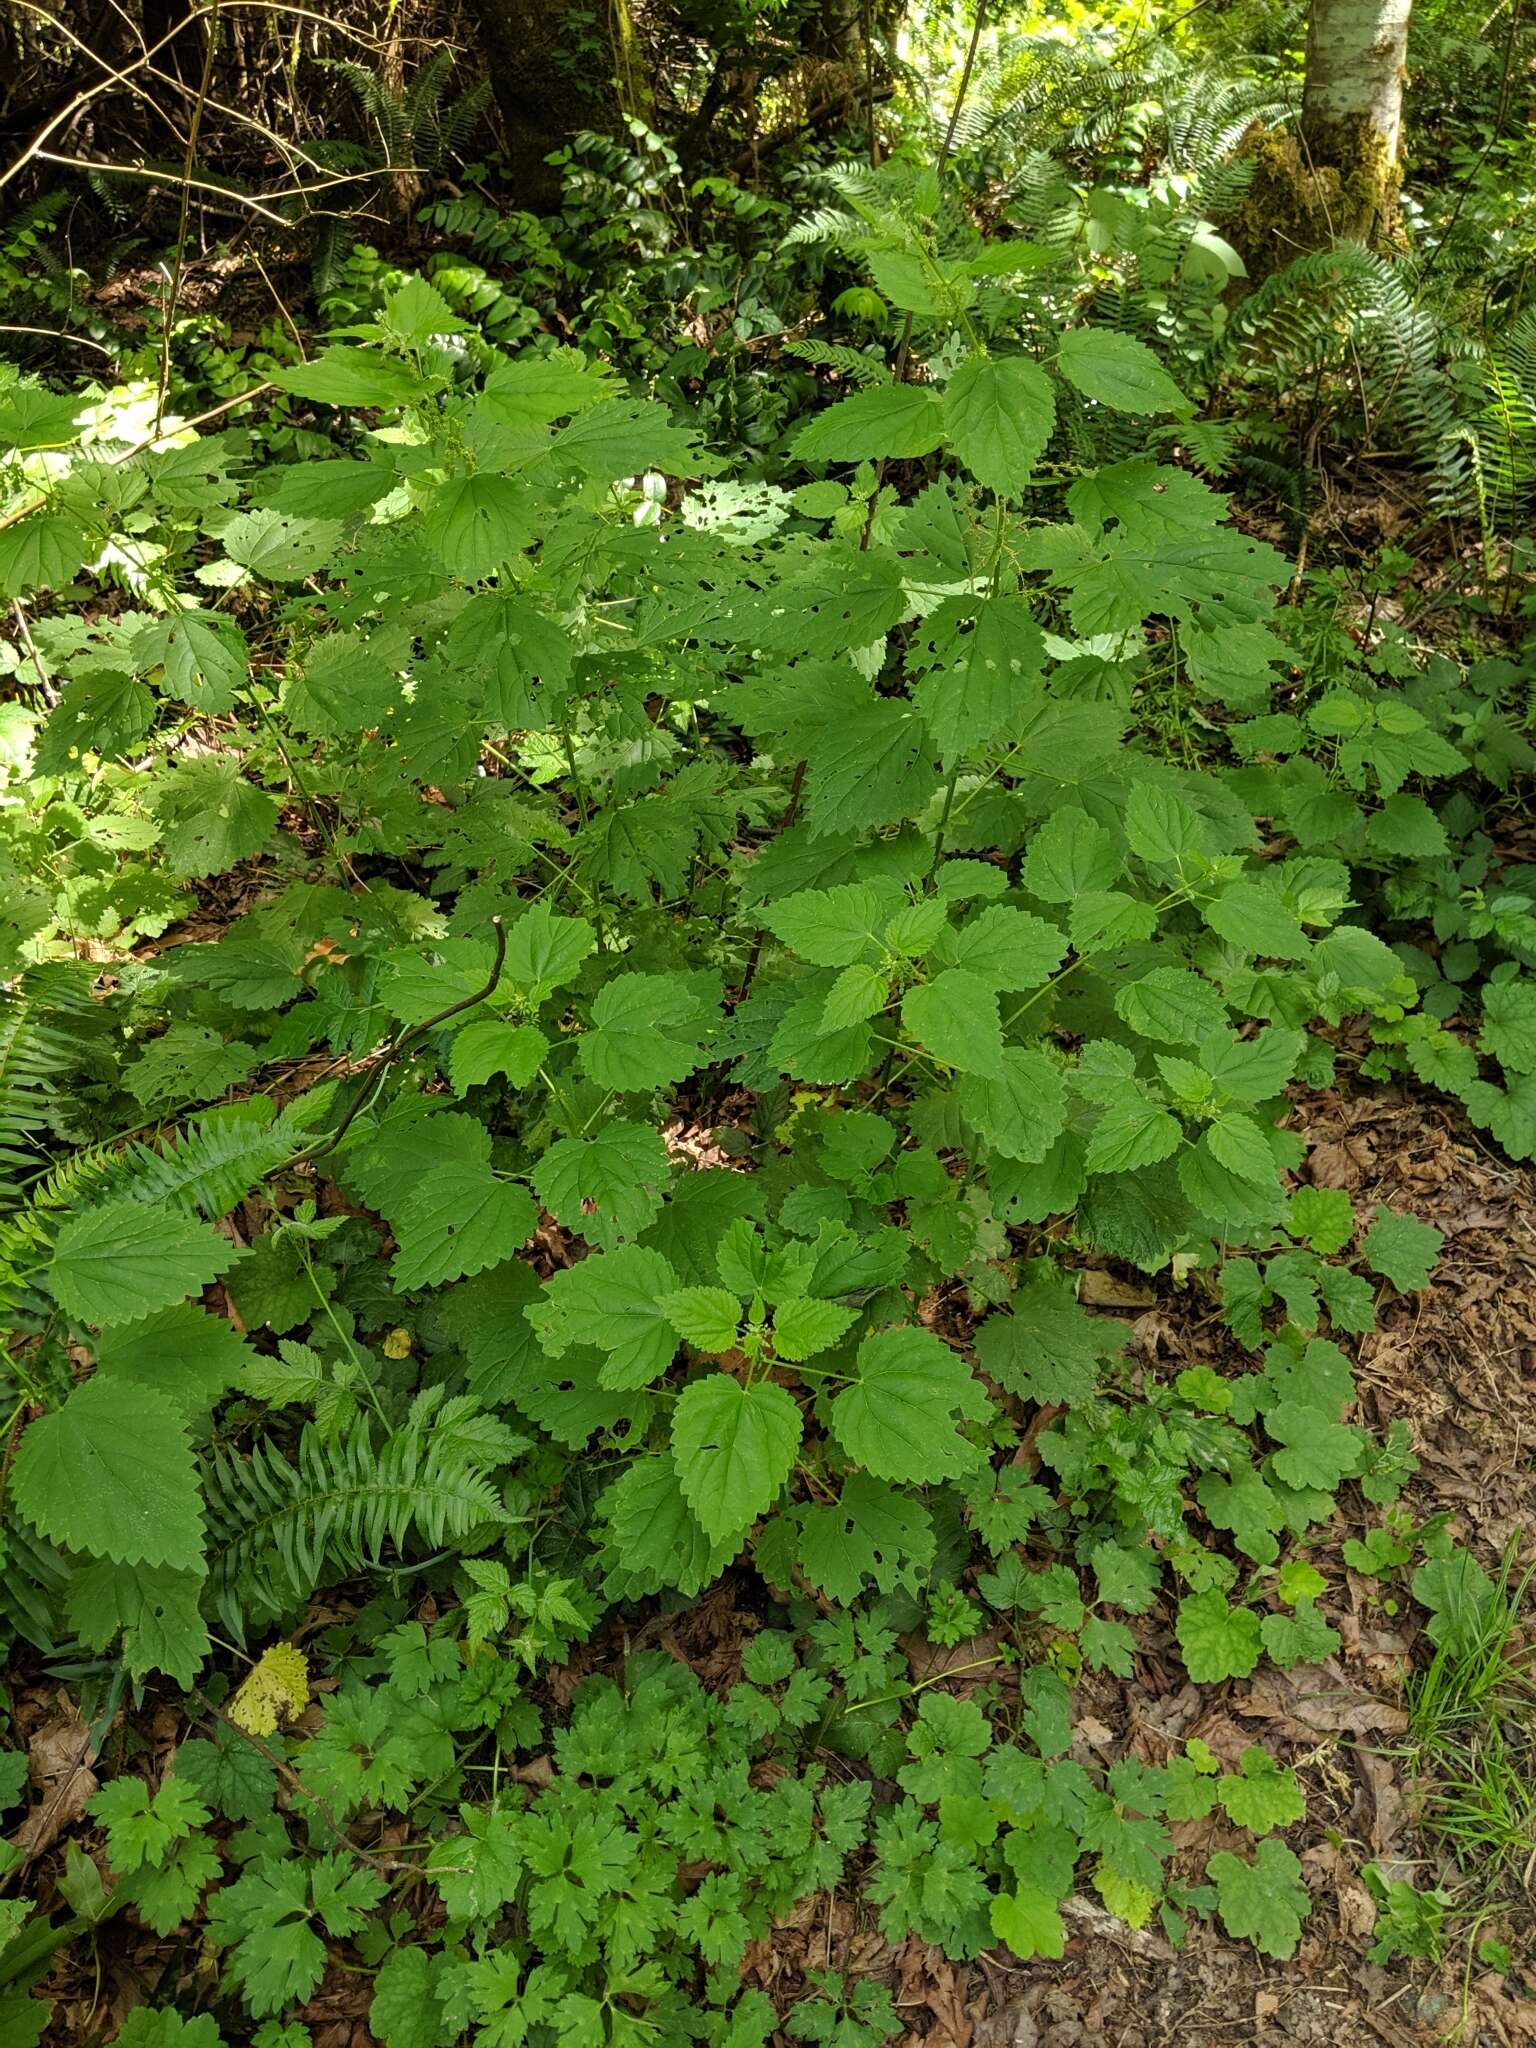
x=577 y=1010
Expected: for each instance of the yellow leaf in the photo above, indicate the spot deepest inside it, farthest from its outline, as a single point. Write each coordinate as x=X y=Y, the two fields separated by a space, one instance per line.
x=397 y=1344
x=276 y=1689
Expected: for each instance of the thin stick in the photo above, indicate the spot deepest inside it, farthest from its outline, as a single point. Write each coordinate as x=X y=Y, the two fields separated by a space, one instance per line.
x=382 y=1061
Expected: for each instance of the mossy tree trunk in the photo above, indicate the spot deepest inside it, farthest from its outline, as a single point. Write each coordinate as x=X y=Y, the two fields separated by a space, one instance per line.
x=1352 y=109
x=555 y=67
x=1335 y=177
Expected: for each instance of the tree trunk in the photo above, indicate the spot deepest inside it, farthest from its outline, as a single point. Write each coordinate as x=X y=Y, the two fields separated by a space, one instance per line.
x=1336 y=177
x=1352 y=108
x=553 y=74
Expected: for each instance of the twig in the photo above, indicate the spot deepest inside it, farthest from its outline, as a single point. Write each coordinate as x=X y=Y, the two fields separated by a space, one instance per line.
x=383 y=1060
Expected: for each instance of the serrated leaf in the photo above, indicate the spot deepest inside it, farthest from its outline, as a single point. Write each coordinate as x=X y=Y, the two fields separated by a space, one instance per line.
x=999 y=412
x=613 y=1301
x=707 y=1317
x=343 y=374
x=1217 y=1641
x=488 y=1046
x=1008 y=949
x=802 y=1326
x=1118 y=371
x=1132 y=1133
x=1261 y=1795
x=111 y=1473
x=127 y=1259
x=1030 y=1922
x=204 y=657
x=545 y=950
x=1402 y=1249
x=1315 y=1451
x=476 y=524
x=1022 y=1109
x=608 y=1186
x=834 y=927
x=873 y=1533
x=733 y=1446
x=458 y=1220
x=899 y=420
x=955 y=1017
x=898 y=1421
x=1264 y=1901
x=645 y=1033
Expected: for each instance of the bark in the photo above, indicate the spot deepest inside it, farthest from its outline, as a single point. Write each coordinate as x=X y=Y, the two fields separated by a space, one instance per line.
x=552 y=79
x=1336 y=177
x=1352 y=108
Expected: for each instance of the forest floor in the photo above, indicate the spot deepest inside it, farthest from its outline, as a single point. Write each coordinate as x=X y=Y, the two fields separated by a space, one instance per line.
x=1459 y=1363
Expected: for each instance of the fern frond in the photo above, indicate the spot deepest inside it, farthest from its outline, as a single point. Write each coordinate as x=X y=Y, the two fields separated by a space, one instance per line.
x=278 y=1529
x=852 y=363
x=39 y=1017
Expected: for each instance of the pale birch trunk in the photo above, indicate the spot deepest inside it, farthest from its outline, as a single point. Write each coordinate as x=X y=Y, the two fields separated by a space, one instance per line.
x=1352 y=107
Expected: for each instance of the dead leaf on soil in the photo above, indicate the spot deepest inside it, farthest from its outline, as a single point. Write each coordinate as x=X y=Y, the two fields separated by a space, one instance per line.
x=59 y=1757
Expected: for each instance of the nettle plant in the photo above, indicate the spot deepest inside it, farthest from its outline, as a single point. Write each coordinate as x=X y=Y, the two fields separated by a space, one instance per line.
x=589 y=811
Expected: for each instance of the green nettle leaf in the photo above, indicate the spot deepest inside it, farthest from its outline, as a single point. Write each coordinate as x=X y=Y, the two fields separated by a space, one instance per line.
x=802 y=1327
x=1132 y=1132
x=987 y=657
x=834 y=927
x=733 y=1446
x=1264 y=1901
x=1046 y=1349
x=613 y=1301
x=1008 y=949
x=607 y=1187
x=458 y=1220
x=342 y=374
x=955 y=1017
x=645 y=1033
x=1118 y=371
x=545 y=950
x=1402 y=1249
x=1241 y=1146
x=858 y=994
x=1022 y=1109
x=41 y=553
x=1255 y=921
x=111 y=1473
x=210 y=816
x=872 y=768
x=1070 y=856
x=1160 y=826
x=1217 y=1641
x=898 y=1421
x=901 y=420
x=998 y=414
x=708 y=1317
x=1509 y=1023
x=182 y=1352
x=128 y=1259
x=205 y=657
x=1171 y=1005
x=478 y=523
x=278 y=547
x=487 y=1047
